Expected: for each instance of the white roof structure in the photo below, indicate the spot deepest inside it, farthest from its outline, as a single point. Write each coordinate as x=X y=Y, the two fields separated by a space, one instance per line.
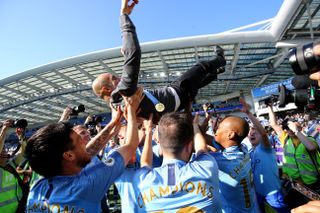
x=254 y=58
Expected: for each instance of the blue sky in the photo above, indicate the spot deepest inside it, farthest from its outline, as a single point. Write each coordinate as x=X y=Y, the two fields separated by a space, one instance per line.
x=37 y=32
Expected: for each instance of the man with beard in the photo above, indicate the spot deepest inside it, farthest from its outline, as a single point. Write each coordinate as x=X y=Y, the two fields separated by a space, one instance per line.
x=60 y=155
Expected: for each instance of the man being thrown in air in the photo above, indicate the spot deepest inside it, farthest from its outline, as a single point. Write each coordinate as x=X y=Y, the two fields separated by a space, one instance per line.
x=176 y=96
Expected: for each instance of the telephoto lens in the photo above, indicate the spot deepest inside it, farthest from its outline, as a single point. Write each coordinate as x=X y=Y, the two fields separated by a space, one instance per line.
x=303 y=60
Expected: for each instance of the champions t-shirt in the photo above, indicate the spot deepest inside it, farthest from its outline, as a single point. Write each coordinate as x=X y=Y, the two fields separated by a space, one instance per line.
x=236 y=181
x=178 y=186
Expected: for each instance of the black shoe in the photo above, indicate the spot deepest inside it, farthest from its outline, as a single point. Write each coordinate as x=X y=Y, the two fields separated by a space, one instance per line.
x=219 y=51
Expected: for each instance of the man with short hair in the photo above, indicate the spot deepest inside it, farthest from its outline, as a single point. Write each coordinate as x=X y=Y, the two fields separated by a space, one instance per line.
x=264 y=166
x=173 y=97
x=180 y=184
x=235 y=175
x=60 y=155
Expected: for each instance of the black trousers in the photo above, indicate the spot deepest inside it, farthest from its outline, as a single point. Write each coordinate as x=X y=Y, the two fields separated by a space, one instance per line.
x=198 y=76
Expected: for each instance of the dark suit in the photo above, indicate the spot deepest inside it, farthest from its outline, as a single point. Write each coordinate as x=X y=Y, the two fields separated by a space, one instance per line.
x=186 y=86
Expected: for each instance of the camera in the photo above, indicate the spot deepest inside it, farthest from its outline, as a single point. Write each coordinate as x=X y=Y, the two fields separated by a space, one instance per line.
x=209 y=106
x=77 y=110
x=19 y=123
x=304 y=99
x=303 y=60
x=269 y=101
x=95 y=120
x=91 y=125
x=284 y=123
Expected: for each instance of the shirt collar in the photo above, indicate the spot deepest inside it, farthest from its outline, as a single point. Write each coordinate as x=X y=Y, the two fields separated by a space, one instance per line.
x=173 y=161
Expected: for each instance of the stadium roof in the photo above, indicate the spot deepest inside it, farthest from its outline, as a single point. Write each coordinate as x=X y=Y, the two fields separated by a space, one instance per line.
x=256 y=55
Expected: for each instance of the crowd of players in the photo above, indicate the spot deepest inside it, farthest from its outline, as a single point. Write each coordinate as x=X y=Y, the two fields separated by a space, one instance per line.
x=161 y=159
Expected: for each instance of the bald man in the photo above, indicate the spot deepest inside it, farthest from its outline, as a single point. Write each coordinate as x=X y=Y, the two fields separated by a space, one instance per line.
x=173 y=97
x=235 y=175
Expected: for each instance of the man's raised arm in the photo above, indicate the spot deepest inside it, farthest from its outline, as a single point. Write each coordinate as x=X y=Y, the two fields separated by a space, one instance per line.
x=130 y=50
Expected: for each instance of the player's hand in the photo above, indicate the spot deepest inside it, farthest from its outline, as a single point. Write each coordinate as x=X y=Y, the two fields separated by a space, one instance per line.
x=293 y=126
x=7 y=123
x=66 y=114
x=147 y=124
x=311 y=207
x=315 y=76
x=127 y=6
x=133 y=102
x=245 y=106
x=116 y=113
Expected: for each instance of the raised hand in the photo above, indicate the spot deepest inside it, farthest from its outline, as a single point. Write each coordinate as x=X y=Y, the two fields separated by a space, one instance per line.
x=147 y=124
x=133 y=102
x=126 y=7
x=245 y=106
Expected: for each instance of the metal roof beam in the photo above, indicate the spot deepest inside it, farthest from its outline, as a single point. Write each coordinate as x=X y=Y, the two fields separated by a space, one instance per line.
x=108 y=69
x=45 y=96
x=87 y=74
x=284 y=53
x=263 y=60
x=227 y=87
x=67 y=78
x=164 y=64
x=47 y=81
x=235 y=57
x=20 y=93
x=196 y=54
x=39 y=90
x=7 y=97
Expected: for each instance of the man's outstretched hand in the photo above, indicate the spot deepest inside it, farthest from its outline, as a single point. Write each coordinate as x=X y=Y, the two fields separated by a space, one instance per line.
x=127 y=6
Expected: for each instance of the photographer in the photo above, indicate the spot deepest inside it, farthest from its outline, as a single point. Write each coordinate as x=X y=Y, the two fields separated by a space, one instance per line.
x=5 y=127
x=302 y=161
x=13 y=192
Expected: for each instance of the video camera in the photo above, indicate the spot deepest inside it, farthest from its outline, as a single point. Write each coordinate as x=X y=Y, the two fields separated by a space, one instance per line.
x=269 y=101
x=304 y=99
x=303 y=60
x=95 y=120
x=284 y=123
x=209 y=106
x=306 y=96
x=19 y=123
x=91 y=125
x=77 y=110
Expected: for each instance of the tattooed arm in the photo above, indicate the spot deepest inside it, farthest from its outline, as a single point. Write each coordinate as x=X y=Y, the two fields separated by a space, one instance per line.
x=100 y=140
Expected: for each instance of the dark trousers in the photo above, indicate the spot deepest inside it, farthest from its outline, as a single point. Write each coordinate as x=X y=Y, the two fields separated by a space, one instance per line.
x=198 y=76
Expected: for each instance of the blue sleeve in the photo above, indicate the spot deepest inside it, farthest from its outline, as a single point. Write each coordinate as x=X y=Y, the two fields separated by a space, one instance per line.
x=102 y=174
x=204 y=164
